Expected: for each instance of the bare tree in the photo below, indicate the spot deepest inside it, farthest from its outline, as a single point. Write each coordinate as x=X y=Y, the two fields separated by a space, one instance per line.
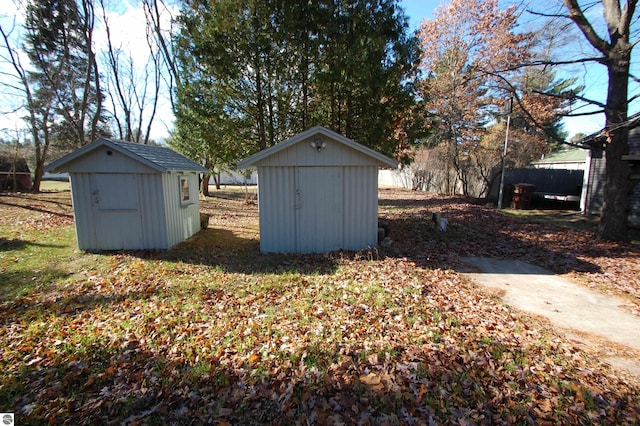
x=134 y=89
x=39 y=128
x=154 y=11
x=611 y=46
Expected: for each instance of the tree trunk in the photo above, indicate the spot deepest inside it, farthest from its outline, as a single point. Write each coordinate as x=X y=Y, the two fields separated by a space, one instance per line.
x=216 y=178
x=204 y=184
x=613 y=222
x=262 y=135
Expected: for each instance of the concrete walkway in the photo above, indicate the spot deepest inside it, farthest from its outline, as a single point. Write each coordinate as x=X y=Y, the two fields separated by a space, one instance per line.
x=536 y=290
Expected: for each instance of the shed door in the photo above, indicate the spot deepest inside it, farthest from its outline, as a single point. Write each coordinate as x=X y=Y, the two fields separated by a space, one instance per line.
x=319 y=209
x=117 y=211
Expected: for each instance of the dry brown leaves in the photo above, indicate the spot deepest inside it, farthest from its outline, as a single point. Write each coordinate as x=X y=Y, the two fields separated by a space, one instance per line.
x=479 y=230
x=36 y=211
x=396 y=336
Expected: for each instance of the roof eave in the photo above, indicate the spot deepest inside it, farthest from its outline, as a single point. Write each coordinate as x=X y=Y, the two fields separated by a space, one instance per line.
x=593 y=141
x=61 y=162
x=383 y=160
x=56 y=165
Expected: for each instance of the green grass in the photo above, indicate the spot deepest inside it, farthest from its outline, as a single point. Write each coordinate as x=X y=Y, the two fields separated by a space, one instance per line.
x=54 y=186
x=563 y=218
x=33 y=259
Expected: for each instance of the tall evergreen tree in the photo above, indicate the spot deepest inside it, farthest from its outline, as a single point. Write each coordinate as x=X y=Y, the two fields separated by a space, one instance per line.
x=65 y=76
x=274 y=68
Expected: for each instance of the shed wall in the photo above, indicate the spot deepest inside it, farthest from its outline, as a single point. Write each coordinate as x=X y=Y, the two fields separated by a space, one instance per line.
x=634 y=200
x=319 y=209
x=347 y=204
x=83 y=211
x=361 y=207
x=597 y=179
x=149 y=208
x=182 y=218
x=597 y=176
x=277 y=207
x=302 y=154
x=154 y=227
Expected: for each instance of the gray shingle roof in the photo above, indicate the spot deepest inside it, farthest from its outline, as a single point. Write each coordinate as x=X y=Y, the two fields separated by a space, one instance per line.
x=160 y=158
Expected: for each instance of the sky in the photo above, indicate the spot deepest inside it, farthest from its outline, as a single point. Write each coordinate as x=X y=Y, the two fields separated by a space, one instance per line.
x=594 y=78
x=129 y=32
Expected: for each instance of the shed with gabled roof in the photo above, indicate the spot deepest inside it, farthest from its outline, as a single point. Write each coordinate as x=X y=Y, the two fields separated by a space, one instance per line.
x=129 y=196
x=317 y=192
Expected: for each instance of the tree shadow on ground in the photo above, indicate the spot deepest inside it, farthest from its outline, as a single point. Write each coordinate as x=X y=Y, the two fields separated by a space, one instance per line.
x=42 y=208
x=224 y=249
x=18 y=244
x=474 y=230
x=16 y=283
x=127 y=382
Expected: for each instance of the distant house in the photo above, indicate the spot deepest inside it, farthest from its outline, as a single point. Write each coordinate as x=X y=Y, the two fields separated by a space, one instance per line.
x=14 y=174
x=129 y=196
x=570 y=159
x=595 y=172
x=317 y=192
x=230 y=177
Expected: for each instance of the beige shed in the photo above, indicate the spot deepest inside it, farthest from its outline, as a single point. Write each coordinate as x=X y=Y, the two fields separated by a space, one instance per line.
x=317 y=192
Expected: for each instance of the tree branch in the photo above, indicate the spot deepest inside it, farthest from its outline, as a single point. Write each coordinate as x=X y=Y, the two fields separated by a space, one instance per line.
x=618 y=20
x=582 y=114
x=577 y=16
x=578 y=97
x=547 y=15
x=600 y=60
x=526 y=112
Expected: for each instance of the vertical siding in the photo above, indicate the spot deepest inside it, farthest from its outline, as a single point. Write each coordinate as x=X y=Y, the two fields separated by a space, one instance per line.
x=317 y=209
x=634 y=201
x=182 y=220
x=320 y=224
x=360 y=207
x=597 y=176
x=334 y=153
x=277 y=204
x=83 y=210
x=597 y=180
x=117 y=214
x=165 y=221
x=154 y=230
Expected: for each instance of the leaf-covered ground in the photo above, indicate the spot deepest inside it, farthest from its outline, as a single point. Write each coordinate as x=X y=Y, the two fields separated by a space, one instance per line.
x=213 y=332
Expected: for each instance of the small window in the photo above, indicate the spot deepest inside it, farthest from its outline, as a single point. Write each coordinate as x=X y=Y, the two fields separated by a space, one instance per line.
x=184 y=187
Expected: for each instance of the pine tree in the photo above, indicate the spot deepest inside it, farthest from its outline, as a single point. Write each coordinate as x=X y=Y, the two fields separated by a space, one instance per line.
x=65 y=78
x=271 y=69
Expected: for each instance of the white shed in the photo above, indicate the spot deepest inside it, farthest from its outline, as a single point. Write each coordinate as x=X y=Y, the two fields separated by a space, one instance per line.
x=129 y=196
x=317 y=192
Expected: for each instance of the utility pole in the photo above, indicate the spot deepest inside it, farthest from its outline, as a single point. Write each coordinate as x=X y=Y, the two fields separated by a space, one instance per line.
x=508 y=107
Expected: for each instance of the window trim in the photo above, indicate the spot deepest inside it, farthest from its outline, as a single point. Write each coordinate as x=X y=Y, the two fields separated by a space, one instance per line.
x=184 y=184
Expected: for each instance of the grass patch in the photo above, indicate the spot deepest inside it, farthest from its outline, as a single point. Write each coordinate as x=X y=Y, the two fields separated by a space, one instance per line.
x=54 y=186
x=570 y=219
x=35 y=260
